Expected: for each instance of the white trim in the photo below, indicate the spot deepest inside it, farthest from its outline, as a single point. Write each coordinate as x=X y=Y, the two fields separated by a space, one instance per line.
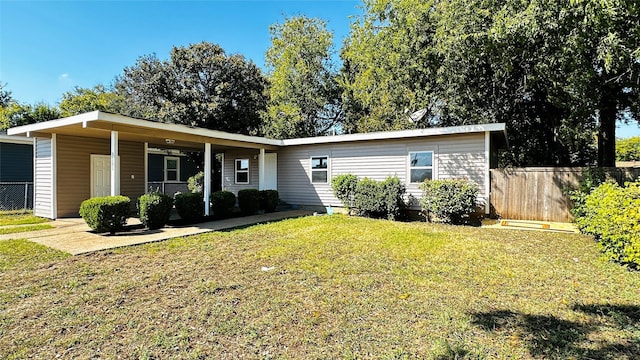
x=54 y=176
x=222 y=172
x=432 y=167
x=311 y=170
x=170 y=152
x=235 y=171
x=91 y=174
x=146 y=167
x=115 y=165
x=487 y=172
x=177 y=159
x=14 y=139
x=207 y=178
x=261 y=169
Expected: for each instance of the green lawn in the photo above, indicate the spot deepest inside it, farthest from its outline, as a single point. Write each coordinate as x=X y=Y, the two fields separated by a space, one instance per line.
x=341 y=287
x=19 y=217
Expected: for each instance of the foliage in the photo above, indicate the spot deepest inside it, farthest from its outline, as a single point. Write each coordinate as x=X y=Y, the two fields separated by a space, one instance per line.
x=628 y=149
x=190 y=206
x=222 y=203
x=155 y=209
x=196 y=182
x=199 y=85
x=108 y=213
x=379 y=198
x=249 y=201
x=344 y=188
x=269 y=200
x=450 y=201
x=592 y=177
x=304 y=97
x=611 y=214
x=81 y=100
x=16 y=114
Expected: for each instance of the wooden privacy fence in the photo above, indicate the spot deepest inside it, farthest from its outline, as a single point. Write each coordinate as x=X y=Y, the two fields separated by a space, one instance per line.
x=541 y=193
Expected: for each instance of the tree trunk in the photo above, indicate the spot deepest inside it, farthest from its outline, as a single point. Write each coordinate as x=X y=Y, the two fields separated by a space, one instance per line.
x=608 y=113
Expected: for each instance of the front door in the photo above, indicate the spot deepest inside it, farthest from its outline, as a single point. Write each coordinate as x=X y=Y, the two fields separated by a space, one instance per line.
x=270 y=171
x=100 y=175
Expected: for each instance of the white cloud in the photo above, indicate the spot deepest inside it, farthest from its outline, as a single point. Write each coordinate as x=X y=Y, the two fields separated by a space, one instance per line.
x=64 y=77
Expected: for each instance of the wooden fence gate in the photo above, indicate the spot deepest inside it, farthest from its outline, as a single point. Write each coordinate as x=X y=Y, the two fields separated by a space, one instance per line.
x=541 y=193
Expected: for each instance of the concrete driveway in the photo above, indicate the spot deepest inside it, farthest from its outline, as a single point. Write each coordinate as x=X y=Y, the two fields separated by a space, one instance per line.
x=75 y=237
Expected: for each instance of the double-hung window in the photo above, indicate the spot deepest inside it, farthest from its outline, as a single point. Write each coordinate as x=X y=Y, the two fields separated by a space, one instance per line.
x=420 y=166
x=242 y=171
x=319 y=169
x=171 y=168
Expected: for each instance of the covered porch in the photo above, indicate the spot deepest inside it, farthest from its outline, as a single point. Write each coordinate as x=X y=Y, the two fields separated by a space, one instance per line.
x=99 y=154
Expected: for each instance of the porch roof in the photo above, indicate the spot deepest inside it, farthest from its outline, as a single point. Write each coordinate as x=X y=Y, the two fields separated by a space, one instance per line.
x=99 y=124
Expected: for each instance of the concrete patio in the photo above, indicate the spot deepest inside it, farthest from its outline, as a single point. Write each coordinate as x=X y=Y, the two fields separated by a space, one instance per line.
x=75 y=237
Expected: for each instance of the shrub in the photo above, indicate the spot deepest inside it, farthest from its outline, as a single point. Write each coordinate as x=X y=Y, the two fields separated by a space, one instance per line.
x=196 y=182
x=155 y=209
x=591 y=178
x=249 y=201
x=108 y=213
x=450 y=201
x=269 y=200
x=344 y=188
x=379 y=199
x=190 y=206
x=611 y=213
x=223 y=203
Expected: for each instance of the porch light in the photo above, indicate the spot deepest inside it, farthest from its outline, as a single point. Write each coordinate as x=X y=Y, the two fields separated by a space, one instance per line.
x=170 y=141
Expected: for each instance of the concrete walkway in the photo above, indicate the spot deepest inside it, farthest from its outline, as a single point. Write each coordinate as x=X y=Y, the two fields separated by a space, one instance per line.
x=75 y=237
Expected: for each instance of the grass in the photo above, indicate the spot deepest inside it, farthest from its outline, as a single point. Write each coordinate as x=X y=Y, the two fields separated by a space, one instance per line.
x=24 y=228
x=20 y=217
x=341 y=287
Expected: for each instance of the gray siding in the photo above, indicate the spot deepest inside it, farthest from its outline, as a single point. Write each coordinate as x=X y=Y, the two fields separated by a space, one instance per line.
x=229 y=182
x=43 y=175
x=459 y=156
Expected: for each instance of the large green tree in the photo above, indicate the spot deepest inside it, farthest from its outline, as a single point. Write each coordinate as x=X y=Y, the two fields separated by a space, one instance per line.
x=199 y=85
x=13 y=113
x=81 y=100
x=304 y=97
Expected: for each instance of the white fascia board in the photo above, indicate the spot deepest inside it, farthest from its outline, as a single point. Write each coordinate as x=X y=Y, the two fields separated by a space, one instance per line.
x=52 y=124
x=14 y=139
x=383 y=135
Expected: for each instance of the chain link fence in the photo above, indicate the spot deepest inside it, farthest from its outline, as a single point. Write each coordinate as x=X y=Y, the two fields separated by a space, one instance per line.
x=16 y=195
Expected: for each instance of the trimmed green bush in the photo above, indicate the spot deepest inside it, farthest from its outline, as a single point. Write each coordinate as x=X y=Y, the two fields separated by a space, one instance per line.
x=190 y=206
x=249 y=201
x=611 y=213
x=222 y=203
x=381 y=199
x=344 y=188
x=449 y=201
x=269 y=200
x=155 y=209
x=196 y=182
x=108 y=213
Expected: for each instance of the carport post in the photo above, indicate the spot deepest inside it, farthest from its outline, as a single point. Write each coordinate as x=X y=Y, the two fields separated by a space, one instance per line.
x=115 y=173
x=207 y=177
x=261 y=170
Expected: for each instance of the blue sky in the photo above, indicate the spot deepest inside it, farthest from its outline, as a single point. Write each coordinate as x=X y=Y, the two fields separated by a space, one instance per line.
x=48 y=47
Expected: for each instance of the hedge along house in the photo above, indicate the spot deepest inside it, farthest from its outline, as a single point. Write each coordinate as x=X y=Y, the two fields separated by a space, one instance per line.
x=97 y=154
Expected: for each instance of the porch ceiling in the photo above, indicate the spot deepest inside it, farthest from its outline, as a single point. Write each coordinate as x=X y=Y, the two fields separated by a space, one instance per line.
x=99 y=125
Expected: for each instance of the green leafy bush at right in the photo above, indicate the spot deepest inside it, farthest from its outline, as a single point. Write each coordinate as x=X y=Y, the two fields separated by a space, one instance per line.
x=106 y=214
x=190 y=206
x=222 y=203
x=154 y=209
x=344 y=188
x=269 y=200
x=249 y=201
x=379 y=199
x=195 y=183
x=449 y=201
x=611 y=213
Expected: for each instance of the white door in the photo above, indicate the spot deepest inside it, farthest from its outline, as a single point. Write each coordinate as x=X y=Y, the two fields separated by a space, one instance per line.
x=100 y=175
x=270 y=171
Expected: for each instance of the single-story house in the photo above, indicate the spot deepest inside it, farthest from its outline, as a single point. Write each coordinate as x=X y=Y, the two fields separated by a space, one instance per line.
x=98 y=153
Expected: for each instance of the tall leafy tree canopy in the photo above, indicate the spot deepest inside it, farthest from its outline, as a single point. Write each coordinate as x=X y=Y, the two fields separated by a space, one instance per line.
x=304 y=97
x=13 y=113
x=557 y=73
x=199 y=85
x=82 y=100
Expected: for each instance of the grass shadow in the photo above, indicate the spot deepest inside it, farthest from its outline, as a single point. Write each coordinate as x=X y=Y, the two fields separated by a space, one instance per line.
x=551 y=337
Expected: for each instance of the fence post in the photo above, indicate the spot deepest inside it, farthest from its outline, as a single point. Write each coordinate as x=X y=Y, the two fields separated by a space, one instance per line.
x=26 y=195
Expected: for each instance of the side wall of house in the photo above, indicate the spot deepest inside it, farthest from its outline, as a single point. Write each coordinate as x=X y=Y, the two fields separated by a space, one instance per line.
x=43 y=169
x=229 y=181
x=74 y=170
x=455 y=156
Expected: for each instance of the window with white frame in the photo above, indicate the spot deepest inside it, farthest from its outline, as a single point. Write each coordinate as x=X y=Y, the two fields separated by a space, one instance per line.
x=242 y=171
x=420 y=166
x=319 y=169
x=171 y=168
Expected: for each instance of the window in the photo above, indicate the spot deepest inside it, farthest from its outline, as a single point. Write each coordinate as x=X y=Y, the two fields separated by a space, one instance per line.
x=171 y=168
x=420 y=166
x=319 y=169
x=242 y=171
